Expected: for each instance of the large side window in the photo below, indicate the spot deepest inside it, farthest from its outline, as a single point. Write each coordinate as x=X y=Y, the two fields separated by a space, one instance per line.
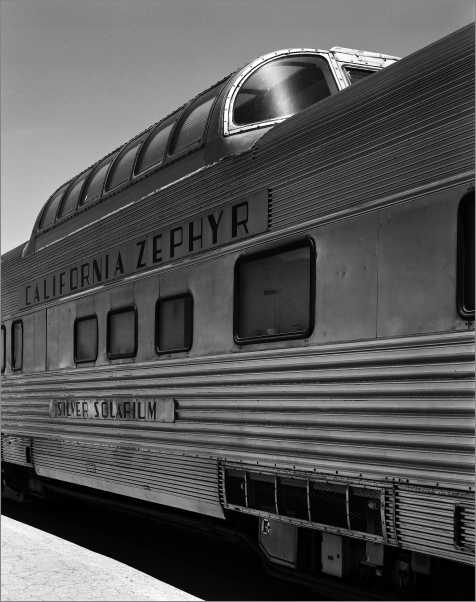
x=191 y=127
x=281 y=88
x=17 y=345
x=466 y=257
x=86 y=339
x=174 y=324
x=3 y=347
x=152 y=152
x=274 y=294
x=122 y=332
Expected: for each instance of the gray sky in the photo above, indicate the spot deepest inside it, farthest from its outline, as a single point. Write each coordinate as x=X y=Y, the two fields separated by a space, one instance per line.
x=80 y=78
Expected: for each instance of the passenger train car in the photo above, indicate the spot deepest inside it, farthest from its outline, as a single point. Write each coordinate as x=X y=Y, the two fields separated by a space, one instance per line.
x=257 y=318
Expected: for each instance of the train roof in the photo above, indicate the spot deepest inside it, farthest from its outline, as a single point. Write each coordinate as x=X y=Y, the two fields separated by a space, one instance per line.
x=223 y=120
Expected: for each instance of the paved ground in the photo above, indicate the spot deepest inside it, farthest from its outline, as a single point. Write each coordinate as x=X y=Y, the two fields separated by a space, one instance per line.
x=206 y=568
x=40 y=566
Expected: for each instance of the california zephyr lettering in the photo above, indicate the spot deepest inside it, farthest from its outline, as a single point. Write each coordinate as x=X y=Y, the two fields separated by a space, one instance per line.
x=139 y=410
x=238 y=219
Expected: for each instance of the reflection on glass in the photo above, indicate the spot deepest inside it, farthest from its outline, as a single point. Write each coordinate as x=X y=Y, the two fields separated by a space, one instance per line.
x=281 y=88
x=355 y=75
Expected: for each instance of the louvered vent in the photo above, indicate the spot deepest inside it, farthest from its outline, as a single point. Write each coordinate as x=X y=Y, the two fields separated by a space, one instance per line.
x=338 y=506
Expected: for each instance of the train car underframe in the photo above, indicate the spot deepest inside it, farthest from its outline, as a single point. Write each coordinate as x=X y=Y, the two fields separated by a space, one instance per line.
x=340 y=566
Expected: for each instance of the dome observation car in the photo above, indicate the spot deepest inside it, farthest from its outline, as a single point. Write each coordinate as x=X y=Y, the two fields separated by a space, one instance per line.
x=224 y=120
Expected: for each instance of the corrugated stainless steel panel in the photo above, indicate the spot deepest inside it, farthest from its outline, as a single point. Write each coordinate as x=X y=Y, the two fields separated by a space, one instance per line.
x=372 y=408
x=14 y=450
x=425 y=522
x=183 y=481
x=402 y=128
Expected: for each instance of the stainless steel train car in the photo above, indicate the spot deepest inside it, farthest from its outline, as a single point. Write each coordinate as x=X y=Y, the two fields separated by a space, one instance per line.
x=257 y=318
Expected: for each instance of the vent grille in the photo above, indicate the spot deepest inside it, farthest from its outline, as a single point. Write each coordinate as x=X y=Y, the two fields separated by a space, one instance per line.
x=464 y=528
x=262 y=492
x=338 y=506
x=329 y=504
x=293 y=498
x=365 y=510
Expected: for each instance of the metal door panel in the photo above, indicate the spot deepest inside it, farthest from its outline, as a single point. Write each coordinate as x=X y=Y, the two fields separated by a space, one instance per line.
x=346 y=282
x=39 y=356
x=52 y=337
x=211 y=284
x=146 y=293
x=28 y=342
x=101 y=307
x=66 y=317
x=417 y=266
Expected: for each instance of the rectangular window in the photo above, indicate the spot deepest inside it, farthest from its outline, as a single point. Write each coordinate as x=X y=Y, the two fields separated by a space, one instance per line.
x=274 y=294
x=17 y=345
x=466 y=257
x=122 y=333
x=86 y=339
x=3 y=347
x=174 y=318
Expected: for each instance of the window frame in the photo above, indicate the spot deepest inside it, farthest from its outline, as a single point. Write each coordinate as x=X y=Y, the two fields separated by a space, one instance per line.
x=357 y=67
x=142 y=138
x=307 y=242
x=210 y=94
x=85 y=175
x=13 y=344
x=82 y=319
x=61 y=191
x=229 y=127
x=171 y=120
x=120 y=310
x=460 y=278
x=95 y=168
x=158 y=303
x=4 y=359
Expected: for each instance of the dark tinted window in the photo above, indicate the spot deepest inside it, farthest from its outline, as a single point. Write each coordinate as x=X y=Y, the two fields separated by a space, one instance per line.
x=95 y=184
x=3 y=347
x=121 y=171
x=153 y=151
x=282 y=88
x=49 y=213
x=274 y=294
x=122 y=332
x=466 y=257
x=174 y=324
x=17 y=345
x=191 y=126
x=355 y=75
x=86 y=339
x=70 y=201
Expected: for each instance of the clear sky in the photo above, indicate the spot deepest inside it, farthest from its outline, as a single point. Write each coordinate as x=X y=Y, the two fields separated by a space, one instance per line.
x=81 y=77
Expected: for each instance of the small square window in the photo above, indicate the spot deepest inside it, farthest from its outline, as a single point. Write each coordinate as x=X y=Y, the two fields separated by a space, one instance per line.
x=274 y=294
x=122 y=333
x=174 y=324
x=17 y=345
x=86 y=339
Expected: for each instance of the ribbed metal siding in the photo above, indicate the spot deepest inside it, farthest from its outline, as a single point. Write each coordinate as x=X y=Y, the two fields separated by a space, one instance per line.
x=182 y=476
x=378 y=409
x=14 y=450
x=407 y=126
x=425 y=522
